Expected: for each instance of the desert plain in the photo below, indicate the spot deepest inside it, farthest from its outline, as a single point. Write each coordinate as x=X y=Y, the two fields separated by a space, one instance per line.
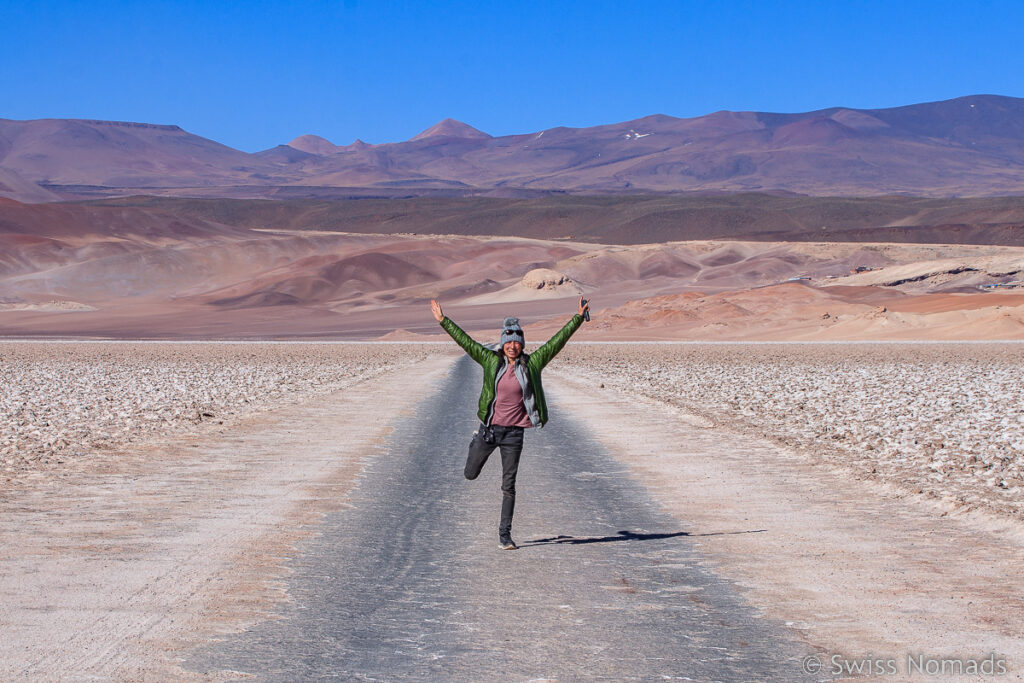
x=191 y=390
x=221 y=269
x=155 y=493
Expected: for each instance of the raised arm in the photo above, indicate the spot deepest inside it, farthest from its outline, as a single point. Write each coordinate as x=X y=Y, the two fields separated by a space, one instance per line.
x=551 y=347
x=475 y=349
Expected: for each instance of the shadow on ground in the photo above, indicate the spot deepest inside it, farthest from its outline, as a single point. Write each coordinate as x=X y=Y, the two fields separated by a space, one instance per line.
x=626 y=535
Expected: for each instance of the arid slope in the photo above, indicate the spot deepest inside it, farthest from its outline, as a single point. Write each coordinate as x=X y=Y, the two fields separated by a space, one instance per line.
x=143 y=271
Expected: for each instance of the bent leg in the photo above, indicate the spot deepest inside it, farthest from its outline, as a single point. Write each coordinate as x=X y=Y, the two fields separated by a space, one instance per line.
x=479 y=451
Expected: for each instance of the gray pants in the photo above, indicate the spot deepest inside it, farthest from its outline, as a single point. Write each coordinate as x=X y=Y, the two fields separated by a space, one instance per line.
x=510 y=441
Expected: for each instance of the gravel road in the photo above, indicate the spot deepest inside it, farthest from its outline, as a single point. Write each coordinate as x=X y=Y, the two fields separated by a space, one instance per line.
x=409 y=583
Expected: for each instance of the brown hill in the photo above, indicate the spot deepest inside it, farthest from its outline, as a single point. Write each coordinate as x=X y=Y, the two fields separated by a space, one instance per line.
x=454 y=129
x=314 y=144
x=119 y=154
x=631 y=219
x=13 y=185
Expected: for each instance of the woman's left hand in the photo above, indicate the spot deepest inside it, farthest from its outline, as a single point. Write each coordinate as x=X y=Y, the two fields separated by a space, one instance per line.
x=584 y=306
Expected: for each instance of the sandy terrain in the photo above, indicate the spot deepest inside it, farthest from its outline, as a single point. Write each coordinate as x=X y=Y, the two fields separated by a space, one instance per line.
x=63 y=401
x=859 y=572
x=240 y=272
x=62 y=275
x=115 y=561
x=120 y=558
x=941 y=420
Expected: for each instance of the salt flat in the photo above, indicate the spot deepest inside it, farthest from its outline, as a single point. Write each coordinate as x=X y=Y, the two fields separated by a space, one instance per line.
x=858 y=568
x=113 y=560
x=63 y=400
x=942 y=420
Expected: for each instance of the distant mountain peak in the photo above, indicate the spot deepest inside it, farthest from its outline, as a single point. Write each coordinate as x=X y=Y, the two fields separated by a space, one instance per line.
x=313 y=144
x=452 y=129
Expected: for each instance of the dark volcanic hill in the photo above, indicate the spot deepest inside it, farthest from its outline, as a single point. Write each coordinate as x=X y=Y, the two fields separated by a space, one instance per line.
x=970 y=146
x=607 y=219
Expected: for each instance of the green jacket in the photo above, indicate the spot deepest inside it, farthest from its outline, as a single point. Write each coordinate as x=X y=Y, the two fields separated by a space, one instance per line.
x=527 y=369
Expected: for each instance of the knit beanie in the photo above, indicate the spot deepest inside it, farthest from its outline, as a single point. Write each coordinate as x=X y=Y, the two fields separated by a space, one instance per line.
x=511 y=331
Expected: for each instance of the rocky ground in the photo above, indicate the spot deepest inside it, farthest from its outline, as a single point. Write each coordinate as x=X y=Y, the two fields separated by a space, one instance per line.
x=64 y=400
x=114 y=569
x=942 y=420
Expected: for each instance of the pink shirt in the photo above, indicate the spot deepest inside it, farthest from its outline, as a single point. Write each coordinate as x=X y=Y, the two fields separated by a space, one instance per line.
x=509 y=410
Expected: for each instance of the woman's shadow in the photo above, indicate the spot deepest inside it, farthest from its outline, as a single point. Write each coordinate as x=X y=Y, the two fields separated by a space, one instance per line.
x=625 y=535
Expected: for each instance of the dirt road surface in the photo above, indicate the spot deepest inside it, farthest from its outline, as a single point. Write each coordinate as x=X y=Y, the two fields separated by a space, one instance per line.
x=860 y=571
x=113 y=566
x=338 y=539
x=409 y=584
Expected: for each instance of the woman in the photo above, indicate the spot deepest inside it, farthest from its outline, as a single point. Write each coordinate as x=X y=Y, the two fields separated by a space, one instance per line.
x=510 y=402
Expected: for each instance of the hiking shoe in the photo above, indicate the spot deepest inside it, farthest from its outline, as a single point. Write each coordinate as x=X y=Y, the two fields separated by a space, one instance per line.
x=505 y=542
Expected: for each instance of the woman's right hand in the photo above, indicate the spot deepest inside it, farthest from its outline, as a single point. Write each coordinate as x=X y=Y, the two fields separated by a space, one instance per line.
x=435 y=308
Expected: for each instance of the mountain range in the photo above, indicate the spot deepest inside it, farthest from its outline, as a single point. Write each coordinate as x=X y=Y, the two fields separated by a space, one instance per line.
x=969 y=146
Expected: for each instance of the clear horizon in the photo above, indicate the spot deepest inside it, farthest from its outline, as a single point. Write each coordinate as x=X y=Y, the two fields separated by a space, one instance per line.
x=260 y=75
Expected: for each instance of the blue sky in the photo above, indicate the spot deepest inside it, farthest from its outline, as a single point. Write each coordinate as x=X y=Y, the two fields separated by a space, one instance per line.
x=256 y=74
